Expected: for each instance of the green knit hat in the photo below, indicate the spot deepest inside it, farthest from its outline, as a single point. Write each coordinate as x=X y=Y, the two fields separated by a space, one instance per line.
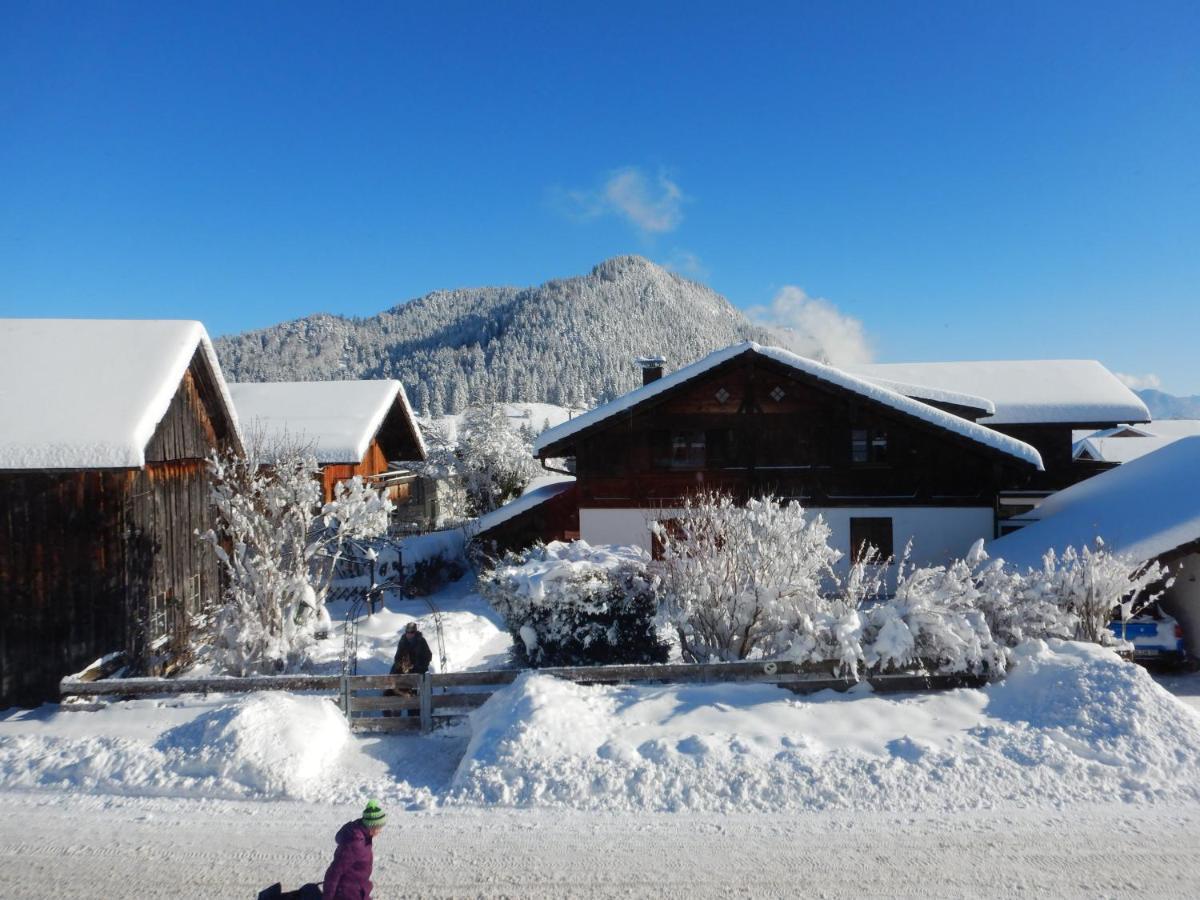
x=373 y=816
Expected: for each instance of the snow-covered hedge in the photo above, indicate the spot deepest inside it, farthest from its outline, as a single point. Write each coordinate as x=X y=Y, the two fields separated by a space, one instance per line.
x=573 y=604
x=757 y=579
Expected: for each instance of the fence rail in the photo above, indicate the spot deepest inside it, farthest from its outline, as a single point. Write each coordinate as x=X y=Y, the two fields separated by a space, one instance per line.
x=388 y=703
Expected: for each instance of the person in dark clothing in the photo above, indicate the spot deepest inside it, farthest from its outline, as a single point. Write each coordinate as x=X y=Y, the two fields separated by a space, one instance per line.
x=349 y=875
x=412 y=653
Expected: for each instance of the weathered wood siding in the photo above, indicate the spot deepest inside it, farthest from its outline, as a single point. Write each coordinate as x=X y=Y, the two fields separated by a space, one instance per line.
x=102 y=560
x=374 y=462
x=62 y=576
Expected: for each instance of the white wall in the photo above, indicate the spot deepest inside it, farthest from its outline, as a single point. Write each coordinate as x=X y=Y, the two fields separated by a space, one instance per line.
x=1183 y=599
x=939 y=534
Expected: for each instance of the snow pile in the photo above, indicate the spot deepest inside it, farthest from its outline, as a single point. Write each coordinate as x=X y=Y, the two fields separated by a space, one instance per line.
x=1072 y=723
x=269 y=744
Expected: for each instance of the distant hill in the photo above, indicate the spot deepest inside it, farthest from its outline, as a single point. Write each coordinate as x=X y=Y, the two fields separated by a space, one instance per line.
x=568 y=342
x=1168 y=406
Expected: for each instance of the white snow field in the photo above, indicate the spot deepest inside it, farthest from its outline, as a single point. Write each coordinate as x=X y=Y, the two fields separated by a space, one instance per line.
x=1076 y=776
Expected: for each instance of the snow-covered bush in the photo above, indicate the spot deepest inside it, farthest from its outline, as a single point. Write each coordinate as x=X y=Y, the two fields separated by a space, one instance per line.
x=573 y=604
x=742 y=580
x=1095 y=586
x=279 y=546
x=934 y=617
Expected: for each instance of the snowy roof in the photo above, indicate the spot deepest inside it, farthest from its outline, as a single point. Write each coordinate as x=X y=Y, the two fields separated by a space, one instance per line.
x=89 y=393
x=936 y=395
x=339 y=418
x=1027 y=391
x=1144 y=508
x=524 y=503
x=1107 y=446
x=947 y=421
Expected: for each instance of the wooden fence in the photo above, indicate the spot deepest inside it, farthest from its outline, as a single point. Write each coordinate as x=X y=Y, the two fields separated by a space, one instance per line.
x=390 y=703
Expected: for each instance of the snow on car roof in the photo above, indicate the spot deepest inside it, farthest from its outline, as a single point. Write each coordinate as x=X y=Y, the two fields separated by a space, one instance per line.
x=338 y=418
x=858 y=385
x=1027 y=391
x=89 y=393
x=1143 y=508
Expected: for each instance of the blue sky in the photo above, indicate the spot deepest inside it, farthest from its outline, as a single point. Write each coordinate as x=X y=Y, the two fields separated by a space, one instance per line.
x=968 y=180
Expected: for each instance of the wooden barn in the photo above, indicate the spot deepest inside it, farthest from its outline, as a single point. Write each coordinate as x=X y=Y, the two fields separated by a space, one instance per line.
x=103 y=486
x=352 y=427
x=750 y=420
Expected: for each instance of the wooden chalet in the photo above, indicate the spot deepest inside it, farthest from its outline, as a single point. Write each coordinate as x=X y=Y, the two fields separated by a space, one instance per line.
x=352 y=427
x=103 y=488
x=880 y=466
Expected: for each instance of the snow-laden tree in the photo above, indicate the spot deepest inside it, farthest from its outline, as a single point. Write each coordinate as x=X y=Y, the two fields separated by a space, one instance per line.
x=279 y=545
x=740 y=580
x=487 y=466
x=1097 y=586
x=497 y=462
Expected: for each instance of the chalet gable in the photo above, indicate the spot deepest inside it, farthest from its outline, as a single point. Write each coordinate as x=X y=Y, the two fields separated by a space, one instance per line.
x=696 y=380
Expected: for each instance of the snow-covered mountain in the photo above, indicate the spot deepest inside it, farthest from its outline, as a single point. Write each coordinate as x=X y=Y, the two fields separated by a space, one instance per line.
x=568 y=342
x=1168 y=406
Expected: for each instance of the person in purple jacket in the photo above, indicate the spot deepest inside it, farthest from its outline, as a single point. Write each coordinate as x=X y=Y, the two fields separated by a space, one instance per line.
x=349 y=875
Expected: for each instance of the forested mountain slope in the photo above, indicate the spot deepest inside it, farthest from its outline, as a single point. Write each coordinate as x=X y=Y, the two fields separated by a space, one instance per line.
x=570 y=342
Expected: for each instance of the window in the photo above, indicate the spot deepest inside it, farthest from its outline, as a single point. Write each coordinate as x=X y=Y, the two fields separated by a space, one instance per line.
x=873 y=531
x=868 y=445
x=684 y=449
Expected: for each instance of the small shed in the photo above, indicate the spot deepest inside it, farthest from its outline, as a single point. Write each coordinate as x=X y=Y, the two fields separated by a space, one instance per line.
x=547 y=512
x=352 y=427
x=103 y=486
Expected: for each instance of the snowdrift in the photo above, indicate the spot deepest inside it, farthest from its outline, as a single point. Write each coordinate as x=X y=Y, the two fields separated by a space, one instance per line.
x=268 y=744
x=1072 y=722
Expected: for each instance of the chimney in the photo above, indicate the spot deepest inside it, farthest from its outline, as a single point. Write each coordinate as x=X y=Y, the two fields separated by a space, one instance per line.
x=652 y=368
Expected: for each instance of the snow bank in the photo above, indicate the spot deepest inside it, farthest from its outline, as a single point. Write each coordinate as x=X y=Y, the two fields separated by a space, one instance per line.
x=269 y=744
x=1071 y=723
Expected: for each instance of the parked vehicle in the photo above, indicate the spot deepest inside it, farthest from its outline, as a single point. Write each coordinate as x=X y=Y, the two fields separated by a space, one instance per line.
x=1154 y=637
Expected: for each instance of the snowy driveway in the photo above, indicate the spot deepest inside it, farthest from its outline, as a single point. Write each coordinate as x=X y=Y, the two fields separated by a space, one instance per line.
x=136 y=847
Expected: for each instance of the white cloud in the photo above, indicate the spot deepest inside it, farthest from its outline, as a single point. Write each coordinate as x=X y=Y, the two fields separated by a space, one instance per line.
x=652 y=205
x=1140 y=382
x=814 y=327
x=687 y=263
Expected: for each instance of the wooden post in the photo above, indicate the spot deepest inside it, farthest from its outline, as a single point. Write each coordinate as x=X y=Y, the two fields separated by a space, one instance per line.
x=426 y=690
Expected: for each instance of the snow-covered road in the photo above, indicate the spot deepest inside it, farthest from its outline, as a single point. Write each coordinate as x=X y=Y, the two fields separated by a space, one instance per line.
x=55 y=846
